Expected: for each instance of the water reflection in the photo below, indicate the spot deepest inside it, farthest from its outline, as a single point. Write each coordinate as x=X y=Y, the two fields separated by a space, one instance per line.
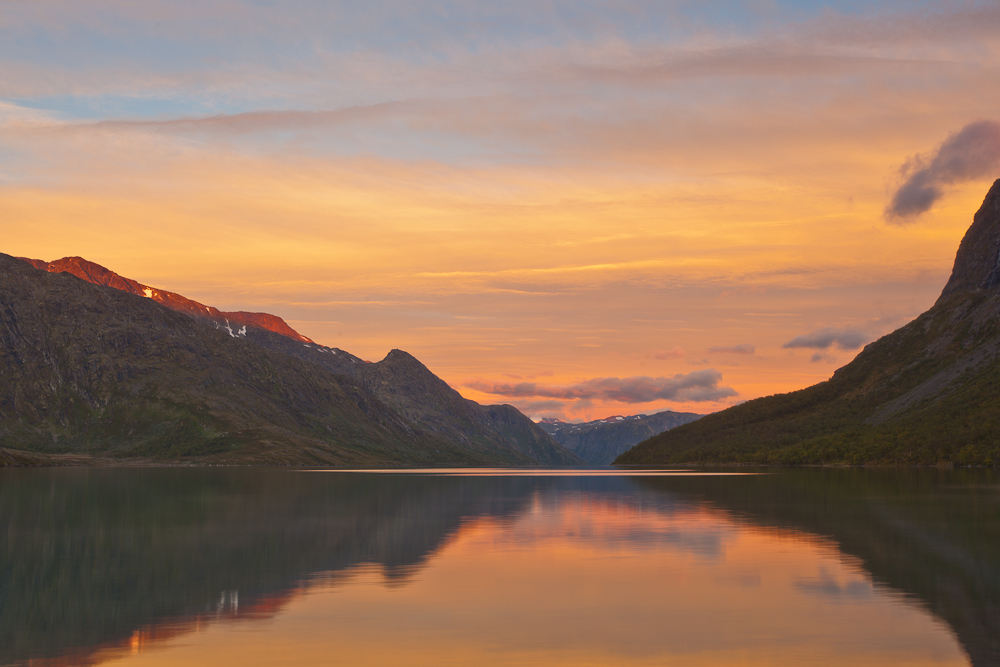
x=266 y=567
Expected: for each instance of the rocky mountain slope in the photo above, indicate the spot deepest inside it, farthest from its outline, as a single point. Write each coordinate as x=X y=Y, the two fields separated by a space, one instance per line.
x=927 y=393
x=599 y=442
x=90 y=369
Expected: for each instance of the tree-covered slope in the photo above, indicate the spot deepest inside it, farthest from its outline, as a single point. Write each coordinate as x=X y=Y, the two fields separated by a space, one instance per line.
x=927 y=393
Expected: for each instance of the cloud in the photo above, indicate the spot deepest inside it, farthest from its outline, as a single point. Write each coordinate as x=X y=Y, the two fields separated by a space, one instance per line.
x=743 y=348
x=972 y=152
x=700 y=385
x=823 y=339
x=528 y=376
x=675 y=353
x=257 y=121
x=547 y=406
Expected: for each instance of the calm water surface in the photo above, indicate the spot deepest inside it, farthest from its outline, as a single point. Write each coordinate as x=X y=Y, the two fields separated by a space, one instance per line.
x=284 y=567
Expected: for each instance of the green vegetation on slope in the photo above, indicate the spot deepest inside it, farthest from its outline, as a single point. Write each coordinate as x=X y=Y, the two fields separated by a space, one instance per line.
x=926 y=394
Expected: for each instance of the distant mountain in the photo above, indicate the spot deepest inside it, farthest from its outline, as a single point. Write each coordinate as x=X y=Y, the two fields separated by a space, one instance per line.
x=928 y=393
x=599 y=442
x=104 y=370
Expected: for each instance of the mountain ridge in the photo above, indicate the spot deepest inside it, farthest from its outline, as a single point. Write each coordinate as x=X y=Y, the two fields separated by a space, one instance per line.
x=99 y=275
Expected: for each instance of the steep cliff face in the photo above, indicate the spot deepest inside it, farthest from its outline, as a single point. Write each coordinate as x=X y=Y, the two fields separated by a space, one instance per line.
x=927 y=393
x=977 y=263
x=234 y=323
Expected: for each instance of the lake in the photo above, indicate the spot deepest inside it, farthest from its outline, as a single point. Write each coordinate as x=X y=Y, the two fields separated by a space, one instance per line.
x=165 y=566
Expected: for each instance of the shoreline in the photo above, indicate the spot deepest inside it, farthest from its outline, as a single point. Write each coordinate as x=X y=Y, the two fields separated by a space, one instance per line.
x=17 y=458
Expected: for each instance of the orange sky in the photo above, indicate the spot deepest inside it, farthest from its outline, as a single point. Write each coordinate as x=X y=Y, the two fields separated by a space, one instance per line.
x=527 y=202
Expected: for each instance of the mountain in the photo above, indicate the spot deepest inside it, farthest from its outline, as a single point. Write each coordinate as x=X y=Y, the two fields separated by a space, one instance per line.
x=599 y=442
x=400 y=381
x=928 y=393
x=90 y=369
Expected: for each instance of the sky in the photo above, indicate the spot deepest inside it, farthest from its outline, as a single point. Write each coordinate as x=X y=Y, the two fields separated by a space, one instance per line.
x=582 y=208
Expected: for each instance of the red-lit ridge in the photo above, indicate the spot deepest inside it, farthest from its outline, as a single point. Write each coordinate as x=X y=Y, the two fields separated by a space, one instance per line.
x=97 y=274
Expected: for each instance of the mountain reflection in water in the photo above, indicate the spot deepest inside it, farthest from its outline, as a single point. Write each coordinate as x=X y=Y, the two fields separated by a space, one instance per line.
x=160 y=566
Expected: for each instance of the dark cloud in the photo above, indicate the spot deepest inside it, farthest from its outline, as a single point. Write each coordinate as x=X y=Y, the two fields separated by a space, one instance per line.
x=973 y=152
x=700 y=385
x=823 y=339
x=743 y=348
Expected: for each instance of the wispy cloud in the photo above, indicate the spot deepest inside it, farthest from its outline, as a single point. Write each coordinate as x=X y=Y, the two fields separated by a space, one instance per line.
x=743 y=348
x=824 y=339
x=696 y=386
x=673 y=353
x=13 y=115
x=256 y=121
x=972 y=152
